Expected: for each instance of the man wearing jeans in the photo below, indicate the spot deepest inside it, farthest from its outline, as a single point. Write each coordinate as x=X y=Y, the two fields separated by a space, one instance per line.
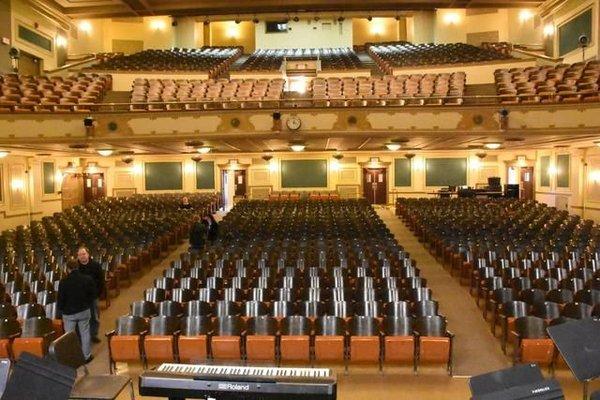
x=76 y=292
x=92 y=269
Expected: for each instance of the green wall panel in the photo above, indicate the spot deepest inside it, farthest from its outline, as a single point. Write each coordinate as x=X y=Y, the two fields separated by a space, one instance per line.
x=205 y=175
x=163 y=176
x=563 y=170
x=569 y=32
x=446 y=172
x=304 y=173
x=48 y=178
x=544 y=171
x=402 y=172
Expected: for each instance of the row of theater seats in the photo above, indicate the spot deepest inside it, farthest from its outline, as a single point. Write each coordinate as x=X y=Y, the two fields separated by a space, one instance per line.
x=213 y=60
x=546 y=84
x=245 y=93
x=427 y=89
x=295 y=339
x=403 y=54
x=24 y=93
x=505 y=48
x=529 y=266
x=275 y=196
x=289 y=265
x=331 y=58
x=124 y=235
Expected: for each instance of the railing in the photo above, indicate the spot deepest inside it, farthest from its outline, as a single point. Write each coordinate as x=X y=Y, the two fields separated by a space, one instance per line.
x=287 y=103
x=543 y=57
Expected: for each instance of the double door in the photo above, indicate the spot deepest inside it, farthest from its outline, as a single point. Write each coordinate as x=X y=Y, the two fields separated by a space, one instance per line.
x=375 y=185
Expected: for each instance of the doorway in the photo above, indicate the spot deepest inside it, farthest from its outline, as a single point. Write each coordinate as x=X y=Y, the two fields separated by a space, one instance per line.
x=375 y=185
x=526 y=183
x=95 y=187
x=72 y=190
x=240 y=183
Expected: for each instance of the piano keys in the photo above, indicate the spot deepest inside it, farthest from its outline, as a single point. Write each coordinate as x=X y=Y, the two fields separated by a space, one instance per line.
x=232 y=382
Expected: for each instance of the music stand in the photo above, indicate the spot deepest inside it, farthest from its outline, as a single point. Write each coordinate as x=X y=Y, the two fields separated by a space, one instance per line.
x=579 y=344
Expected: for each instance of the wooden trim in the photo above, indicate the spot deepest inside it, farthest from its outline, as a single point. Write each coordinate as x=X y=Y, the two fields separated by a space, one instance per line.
x=6 y=216
x=555 y=193
x=586 y=208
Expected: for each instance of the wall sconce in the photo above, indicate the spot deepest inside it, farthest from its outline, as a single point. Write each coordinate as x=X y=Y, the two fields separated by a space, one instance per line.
x=233 y=30
x=377 y=27
x=157 y=25
x=61 y=41
x=197 y=158
x=17 y=184
x=549 y=30
x=451 y=18
x=594 y=176
x=525 y=15
x=85 y=27
x=267 y=157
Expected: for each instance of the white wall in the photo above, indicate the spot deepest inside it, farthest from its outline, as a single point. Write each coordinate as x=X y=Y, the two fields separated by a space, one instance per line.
x=306 y=34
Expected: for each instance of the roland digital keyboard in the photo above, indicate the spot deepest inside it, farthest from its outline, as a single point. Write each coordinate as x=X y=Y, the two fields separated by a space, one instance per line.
x=219 y=382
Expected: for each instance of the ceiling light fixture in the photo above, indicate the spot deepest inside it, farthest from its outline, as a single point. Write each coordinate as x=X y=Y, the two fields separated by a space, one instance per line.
x=196 y=158
x=393 y=146
x=204 y=149
x=297 y=147
x=4 y=153
x=105 y=152
x=492 y=146
x=481 y=155
x=410 y=155
x=338 y=156
x=267 y=157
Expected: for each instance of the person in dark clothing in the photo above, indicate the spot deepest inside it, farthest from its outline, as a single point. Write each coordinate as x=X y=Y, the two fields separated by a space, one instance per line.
x=76 y=293
x=92 y=269
x=213 y=228
x=185 y=203
x=198 y=235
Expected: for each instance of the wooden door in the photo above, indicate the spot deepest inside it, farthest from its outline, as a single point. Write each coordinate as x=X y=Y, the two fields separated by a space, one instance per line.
x=94 y=187
x=72 y=190
x=375 y=185
x=29 y=64
x=240 y=182
x=526 y=183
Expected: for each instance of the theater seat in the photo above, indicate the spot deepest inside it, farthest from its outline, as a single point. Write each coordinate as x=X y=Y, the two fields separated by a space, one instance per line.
x=160 y=345
x=9 y=330
x=125 y=343
x=434 y=341
x=227 y=342
x=35 y=337
x=194 y=339
x=294 y=345
x=533 y=344
x=365 y=340
x=330 y=340
x=261 y=339
x=399 y=341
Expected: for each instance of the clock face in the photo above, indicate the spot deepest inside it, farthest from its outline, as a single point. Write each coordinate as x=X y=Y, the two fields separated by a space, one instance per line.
x=293 y=123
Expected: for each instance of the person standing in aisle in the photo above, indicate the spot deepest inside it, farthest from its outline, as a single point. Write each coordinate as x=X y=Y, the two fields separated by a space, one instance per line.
x=92 y=269
x=76 y=294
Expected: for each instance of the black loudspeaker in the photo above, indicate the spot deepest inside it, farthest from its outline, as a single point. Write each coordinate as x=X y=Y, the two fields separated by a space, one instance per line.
x=511 y=191
x=35 y=378
x=517 y=383
x=504 y=379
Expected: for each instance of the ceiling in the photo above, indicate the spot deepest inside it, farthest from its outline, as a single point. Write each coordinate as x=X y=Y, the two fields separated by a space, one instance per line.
x=364 y=142
x=133 y=8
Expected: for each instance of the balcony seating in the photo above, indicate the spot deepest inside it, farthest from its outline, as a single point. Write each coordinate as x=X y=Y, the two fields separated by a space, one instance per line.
x=23 y=93
x=204 y=94
x=213 y=60
x=563 y=83
x=403 y=54
x=331 y=58
x=417 y=89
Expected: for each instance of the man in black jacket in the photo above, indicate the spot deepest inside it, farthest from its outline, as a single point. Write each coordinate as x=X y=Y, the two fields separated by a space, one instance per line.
x=76 y=293
x=92 y=269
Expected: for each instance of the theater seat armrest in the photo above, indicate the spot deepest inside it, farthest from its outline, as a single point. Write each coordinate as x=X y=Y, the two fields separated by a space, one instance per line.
x=450 y=334
x=110 y=333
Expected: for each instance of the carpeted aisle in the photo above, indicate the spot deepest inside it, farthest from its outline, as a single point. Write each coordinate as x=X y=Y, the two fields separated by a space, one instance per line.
x=476 y=351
